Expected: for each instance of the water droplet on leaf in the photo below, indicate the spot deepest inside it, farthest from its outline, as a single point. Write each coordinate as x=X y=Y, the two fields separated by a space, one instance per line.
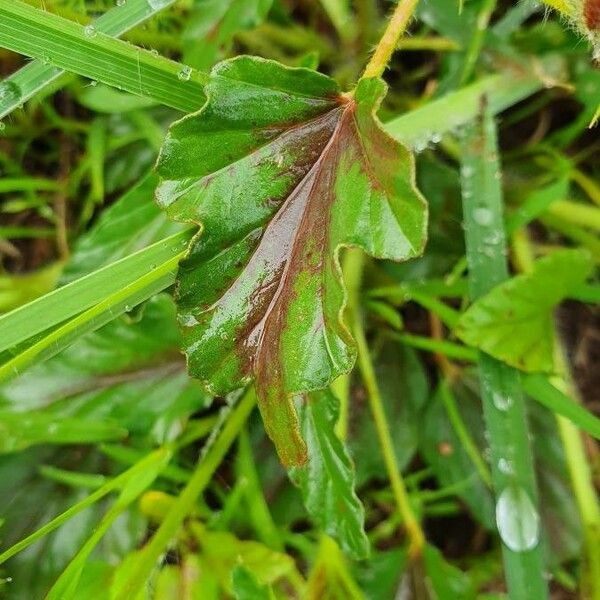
x=483 y=216
x=517 y=520
x=9 y=92
x=185 y=73
x=158 y=4
x=90 y=31
x=501 y=402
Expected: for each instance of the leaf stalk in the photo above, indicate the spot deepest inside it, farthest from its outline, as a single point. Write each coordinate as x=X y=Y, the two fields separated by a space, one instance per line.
x=394 y=31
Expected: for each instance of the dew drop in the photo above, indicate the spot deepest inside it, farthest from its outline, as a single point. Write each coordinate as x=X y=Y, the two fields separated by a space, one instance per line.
x=127 y=308
x=90 y=31
x=93 y=83
x=154 y=52
x=466 y=172
x=158 y=4
x=501 y=402
x=121 y=2
x=9 y=92
x=505 y=466
x=185 y=73
x=517 y=520
x=483 y=216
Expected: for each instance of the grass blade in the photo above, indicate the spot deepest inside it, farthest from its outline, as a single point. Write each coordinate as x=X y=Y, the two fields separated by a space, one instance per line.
x=114 y=484
x=504 y=407
x=146 y=561
x=87 y=51
x=156 y=280
x=421 y=126
x=542 y=391
x=86 y=292
x=37 y=75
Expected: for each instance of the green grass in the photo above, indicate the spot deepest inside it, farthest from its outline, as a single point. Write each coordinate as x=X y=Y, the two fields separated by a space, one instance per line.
x=454 y=453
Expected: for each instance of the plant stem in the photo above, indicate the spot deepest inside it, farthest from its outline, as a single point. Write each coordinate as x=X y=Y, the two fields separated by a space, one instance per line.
x=184 y=504
x=354 y=264
x=503 y=403
x=474 y=49
x=396 y=27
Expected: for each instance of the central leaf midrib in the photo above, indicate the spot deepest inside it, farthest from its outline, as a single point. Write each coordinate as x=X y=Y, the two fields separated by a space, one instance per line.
x=314 y=173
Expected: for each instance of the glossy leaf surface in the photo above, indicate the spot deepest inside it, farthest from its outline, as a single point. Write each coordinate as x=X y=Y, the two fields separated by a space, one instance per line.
x=281 y=170
x=513 y=322
x=327 y=478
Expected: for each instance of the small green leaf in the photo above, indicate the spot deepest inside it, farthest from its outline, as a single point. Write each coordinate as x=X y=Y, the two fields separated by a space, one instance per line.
x=246 y=587
x=513 y=322
x=222 y=551
x=327 y=478
x=446 y=581
x=281 y=170
x=213 y=24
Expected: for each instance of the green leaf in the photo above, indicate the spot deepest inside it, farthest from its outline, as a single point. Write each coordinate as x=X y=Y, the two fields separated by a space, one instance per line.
x=21 y=430
x=446 y=581
x=212 y=25
x=129 y=371
x=222 y=551
x=90 y=291
x=89 y=52
x=543 y=391
x=36 y=75
x=443 y=451
x=281 y=171
x=130 y=224
x=327 y=478
x=513 y=322
x=246 y=587
x=65 y=586
x=330 y=576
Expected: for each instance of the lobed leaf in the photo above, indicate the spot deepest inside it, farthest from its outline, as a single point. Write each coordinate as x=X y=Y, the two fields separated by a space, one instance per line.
x=513 y=322
x=281 y=170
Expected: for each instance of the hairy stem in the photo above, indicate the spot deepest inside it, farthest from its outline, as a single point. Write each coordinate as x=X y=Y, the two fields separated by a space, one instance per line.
x=396 y=27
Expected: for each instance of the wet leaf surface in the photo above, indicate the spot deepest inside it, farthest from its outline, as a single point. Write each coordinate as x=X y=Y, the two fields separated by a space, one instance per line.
x=281 y=170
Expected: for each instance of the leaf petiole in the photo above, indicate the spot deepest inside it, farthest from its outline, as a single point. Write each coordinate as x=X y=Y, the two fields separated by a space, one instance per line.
x=389 y=41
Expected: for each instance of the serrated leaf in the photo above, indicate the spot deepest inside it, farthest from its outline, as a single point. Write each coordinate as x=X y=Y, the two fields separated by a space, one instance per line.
x=327 y=478
x=281 y=170
x=513 y=322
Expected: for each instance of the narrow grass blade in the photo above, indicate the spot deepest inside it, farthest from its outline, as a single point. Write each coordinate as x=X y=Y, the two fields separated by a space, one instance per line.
x=86 y=292
x=32 y=78
x=421 y=126
x=147 y=559
x=542 y=391
x=158 y=278
x=517 y=515
x=114 y=484
x=87 y=51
